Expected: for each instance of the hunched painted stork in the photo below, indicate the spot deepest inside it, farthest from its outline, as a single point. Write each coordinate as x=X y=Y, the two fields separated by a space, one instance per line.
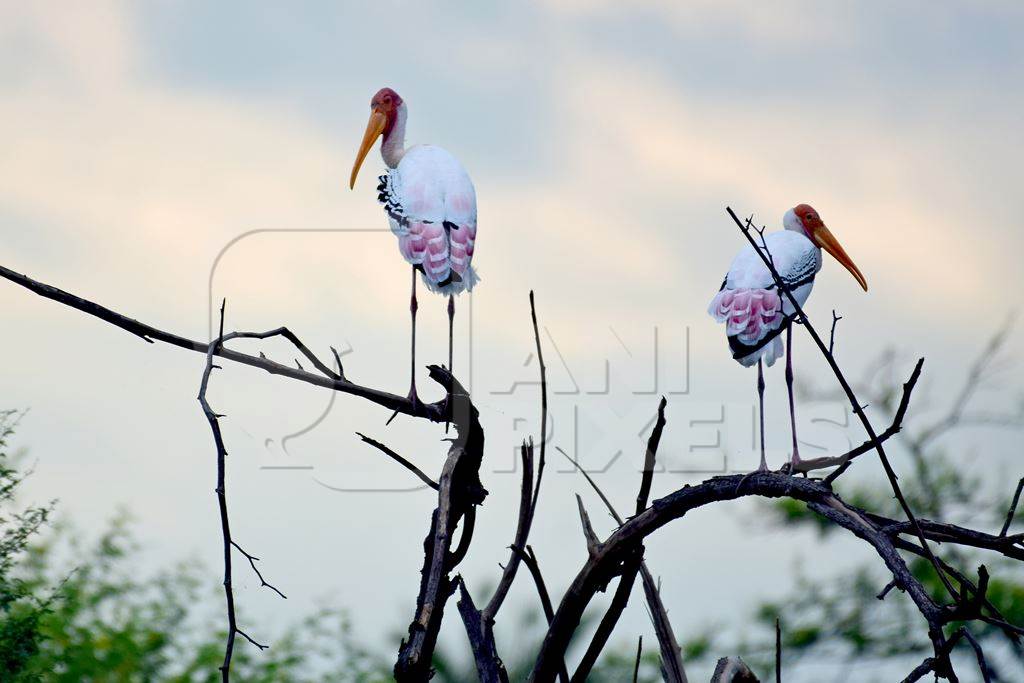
x=431 y=206
x=756 y=314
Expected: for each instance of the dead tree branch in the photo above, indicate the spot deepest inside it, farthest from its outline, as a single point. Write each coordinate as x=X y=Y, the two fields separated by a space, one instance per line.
x=613 y=553
x=1013 y=508
x=459 y=489
x=329 y=380
x=480 y=624
x=671 y=654
x=222 y=503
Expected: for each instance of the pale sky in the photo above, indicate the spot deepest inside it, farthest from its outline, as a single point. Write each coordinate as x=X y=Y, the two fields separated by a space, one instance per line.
x=139 y=142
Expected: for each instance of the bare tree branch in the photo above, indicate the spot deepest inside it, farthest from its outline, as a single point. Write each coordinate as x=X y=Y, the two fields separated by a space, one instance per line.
x=671 y=654
x=639 y=654
x=252 y=563
x=488 y=663
x=459 y=489
x=222 y=504
x=529 y=558
x=1013 y=508
x=480 y=626
x=649 y=457
x=611 y=616
x=593 y=545
x=631 y=566
x=612 y=553
x=431 y=411
x=832 y=334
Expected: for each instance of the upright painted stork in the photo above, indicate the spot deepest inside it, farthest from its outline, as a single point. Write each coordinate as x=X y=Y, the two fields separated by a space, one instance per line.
x=756 y=314
x=431 y=206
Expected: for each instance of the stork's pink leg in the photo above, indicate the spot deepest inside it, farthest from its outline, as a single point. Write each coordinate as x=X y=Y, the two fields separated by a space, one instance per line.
x=413 y=306
x=760 y=405
x=789 y=387
x=451 y=328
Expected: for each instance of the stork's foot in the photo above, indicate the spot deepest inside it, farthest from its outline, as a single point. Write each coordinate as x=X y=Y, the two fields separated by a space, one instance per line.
x=794 y=466
x=412 y=398
x=743 y=480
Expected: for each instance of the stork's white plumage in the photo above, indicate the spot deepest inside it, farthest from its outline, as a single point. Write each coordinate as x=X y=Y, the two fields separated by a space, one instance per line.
x=431 y=207
x=756 y=314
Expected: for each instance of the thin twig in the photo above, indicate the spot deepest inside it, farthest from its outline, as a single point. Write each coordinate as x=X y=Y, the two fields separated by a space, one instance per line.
x=986 y=672
x=778 y=651
x=252 y=563
x=1013 y=508
x=543 y=407
x=588 y=530
x=832 y=334
x=649 y=456
x=400 y=460
x=222 y=504
x=639 y=653
x=844 y=460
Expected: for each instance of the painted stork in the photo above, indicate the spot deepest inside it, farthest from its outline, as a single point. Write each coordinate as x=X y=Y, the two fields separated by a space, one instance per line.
x=431 y=206
x=756 y=314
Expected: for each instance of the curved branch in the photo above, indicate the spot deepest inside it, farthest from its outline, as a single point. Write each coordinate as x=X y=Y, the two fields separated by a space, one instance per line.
x=613 y=552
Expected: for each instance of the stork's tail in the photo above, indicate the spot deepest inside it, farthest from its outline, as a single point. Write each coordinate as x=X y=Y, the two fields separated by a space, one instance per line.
x=455 y=284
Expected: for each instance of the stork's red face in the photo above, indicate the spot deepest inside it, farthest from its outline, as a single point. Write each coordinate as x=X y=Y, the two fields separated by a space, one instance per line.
x=823 y=237
x=383 y=113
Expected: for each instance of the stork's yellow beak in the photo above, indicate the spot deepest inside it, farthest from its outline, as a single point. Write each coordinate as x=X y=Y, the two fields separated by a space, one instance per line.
x=827 y=241
x=374 y=129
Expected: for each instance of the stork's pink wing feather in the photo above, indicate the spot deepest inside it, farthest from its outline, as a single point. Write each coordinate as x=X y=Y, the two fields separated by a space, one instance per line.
x=463 y=239
x=426 y=244
x=749 y=314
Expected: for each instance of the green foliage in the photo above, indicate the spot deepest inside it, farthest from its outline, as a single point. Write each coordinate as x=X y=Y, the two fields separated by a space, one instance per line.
x=91 y=617
x=21 y=609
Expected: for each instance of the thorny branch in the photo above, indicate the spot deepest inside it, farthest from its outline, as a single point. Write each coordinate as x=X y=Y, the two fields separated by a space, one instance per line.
x=671 y=654
x=480 y=624
x=222 y=504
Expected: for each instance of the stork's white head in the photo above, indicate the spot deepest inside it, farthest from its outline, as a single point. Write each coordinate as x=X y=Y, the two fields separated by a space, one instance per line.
x=804 y=219
x=387 y=109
